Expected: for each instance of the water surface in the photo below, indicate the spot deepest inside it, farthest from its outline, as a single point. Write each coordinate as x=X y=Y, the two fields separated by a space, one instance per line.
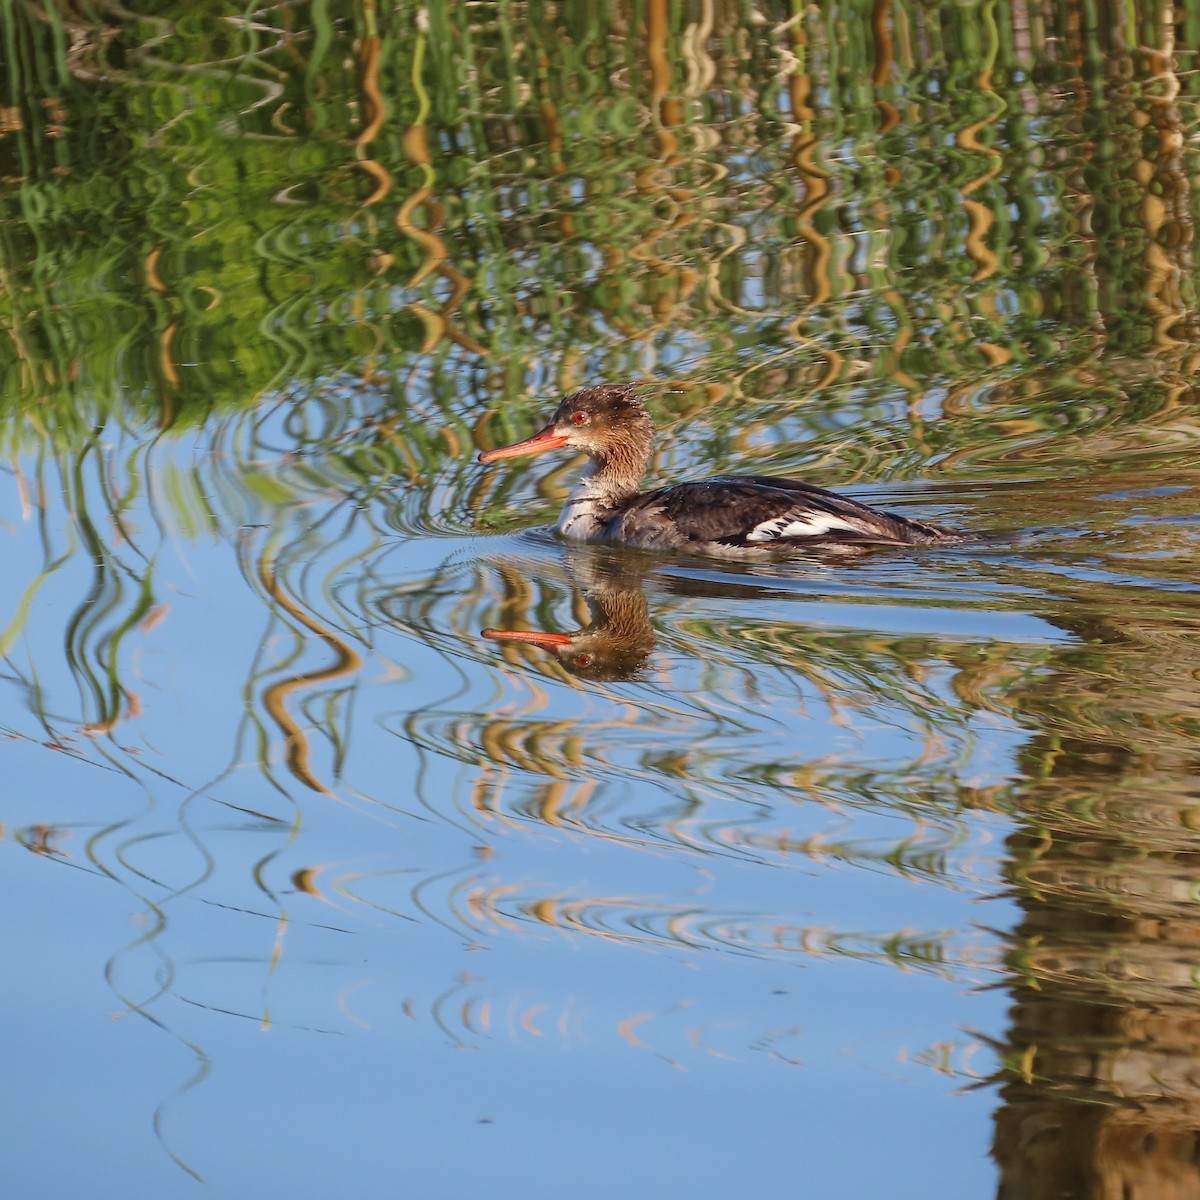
x=816 y=877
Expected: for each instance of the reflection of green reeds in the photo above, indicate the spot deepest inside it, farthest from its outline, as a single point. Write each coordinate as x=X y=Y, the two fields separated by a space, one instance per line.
x=584 y=205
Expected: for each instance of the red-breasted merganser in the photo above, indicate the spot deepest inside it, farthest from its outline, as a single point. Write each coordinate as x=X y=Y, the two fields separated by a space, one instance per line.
x=741 y=516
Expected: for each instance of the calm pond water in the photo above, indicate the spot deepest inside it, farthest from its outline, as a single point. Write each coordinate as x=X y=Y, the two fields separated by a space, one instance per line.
x=819 y=878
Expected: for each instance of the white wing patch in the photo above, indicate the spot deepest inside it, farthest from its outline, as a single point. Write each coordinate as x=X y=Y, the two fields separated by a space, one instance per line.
x=791 y=526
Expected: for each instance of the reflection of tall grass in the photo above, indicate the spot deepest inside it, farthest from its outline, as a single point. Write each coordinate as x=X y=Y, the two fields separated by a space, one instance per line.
x=1102 y=1041
x=560 y=203
x=107 y=548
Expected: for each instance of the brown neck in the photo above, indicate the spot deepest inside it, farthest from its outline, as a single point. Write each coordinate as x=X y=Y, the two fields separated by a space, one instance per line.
x=611 y=478
x=616 y=470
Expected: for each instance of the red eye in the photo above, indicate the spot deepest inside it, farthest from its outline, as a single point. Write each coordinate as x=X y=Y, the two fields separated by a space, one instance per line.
x=580 y=418
x=583 y=660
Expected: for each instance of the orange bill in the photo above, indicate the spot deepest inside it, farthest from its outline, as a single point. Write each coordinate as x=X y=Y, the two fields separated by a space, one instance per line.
x=545 y=439
x=531 y=637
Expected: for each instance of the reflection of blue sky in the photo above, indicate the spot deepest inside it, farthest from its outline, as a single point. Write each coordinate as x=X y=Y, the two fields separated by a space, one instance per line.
x=304 y=1112
x=684 y=921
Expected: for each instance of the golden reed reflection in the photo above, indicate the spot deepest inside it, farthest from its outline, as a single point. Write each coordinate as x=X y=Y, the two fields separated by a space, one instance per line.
x=347 y=662
x=1101 y=1081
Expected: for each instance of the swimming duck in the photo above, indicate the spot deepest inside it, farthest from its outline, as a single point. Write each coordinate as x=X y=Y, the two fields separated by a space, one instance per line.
x=739 y=516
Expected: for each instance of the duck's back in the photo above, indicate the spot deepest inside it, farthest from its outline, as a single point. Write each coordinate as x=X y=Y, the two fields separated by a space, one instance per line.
x=748 y=514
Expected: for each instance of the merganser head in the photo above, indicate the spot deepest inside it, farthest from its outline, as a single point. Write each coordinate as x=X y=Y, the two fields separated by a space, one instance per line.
x=604 y=422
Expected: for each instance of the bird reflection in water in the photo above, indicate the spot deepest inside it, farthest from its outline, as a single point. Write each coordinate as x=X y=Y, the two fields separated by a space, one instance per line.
x=616 y=644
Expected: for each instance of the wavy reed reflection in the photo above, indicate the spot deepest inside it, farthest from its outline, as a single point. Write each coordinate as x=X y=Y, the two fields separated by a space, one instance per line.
x=726 y=207
x=815 y=672
x=1099 y=1079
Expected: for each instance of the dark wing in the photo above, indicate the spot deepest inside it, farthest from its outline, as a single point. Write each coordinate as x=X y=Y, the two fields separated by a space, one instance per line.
x=755 y=511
